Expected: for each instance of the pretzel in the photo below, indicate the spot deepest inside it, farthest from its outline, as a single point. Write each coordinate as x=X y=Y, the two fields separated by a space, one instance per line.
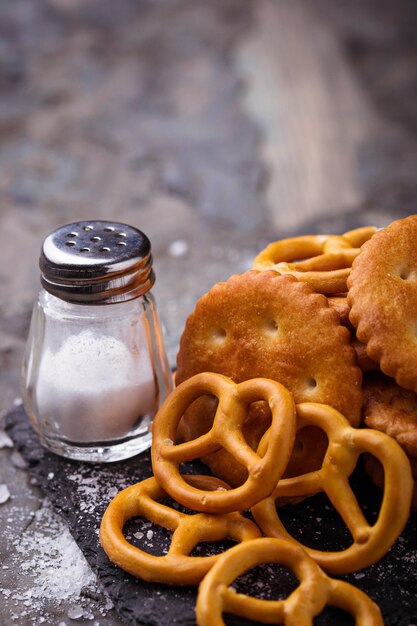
x=315 y=591
x=370 y=542
x=176 y=567
x=226 y=432
x=323 y=261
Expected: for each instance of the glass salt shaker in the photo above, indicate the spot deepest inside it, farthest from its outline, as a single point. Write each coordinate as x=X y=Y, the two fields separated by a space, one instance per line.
x=95 y=369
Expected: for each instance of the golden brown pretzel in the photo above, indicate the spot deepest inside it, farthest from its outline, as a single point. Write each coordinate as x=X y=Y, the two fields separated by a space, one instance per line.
x=323 y=261
x=345 y=445
x=314 y=592
x=176 y=567
x=226 y=432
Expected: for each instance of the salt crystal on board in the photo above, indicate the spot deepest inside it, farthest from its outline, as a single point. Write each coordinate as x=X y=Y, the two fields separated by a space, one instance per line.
x=75 y=612
x=17 y=460
x=4 y=493
x=5 y=441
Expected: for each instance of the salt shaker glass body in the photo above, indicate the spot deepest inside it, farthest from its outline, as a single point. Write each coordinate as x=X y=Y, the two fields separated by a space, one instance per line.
x=95 y=369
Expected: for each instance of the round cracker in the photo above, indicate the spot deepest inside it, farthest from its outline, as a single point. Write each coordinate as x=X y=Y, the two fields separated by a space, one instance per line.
x=363 y=359
x=391 y=409
x=264 y=324
x=383 y=299
x=340 y=305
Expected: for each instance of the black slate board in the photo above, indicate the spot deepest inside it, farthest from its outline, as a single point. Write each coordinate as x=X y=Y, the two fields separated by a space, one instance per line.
x=80 y=493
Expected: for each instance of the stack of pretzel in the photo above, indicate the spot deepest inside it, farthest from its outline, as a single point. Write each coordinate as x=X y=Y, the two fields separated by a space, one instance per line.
x=272 y=370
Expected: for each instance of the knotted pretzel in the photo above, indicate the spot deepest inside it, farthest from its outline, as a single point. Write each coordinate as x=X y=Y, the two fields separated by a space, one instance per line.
x=315 y=591
x=370 y=542
x=323 y=261
x=234 y=400
x=176 y=567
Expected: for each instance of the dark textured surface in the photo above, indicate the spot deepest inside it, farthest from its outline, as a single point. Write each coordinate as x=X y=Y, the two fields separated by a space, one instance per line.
x=81 y=492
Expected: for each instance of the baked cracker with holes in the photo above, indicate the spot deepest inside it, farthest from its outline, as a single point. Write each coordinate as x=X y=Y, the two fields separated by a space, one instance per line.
x=383 y=299
x=389 y=408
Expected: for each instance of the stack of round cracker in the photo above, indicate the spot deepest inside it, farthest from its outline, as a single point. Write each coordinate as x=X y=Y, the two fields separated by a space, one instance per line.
x=383 y=300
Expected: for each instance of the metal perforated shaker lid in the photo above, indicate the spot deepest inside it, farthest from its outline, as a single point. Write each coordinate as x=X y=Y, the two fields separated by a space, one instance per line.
x=98 y=262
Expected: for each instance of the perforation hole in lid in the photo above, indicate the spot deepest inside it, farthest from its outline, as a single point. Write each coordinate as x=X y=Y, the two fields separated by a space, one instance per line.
x=88 y=228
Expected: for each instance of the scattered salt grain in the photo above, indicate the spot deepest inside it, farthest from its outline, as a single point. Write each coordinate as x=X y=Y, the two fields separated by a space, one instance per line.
x=149 y=534
x=138 y=535
x=75 y=612
x=178 y=249
x=17 y=460
x=112 y=492
x=148 y=605
x=53 y=571
x=4 y=494
x=51 y=475
x=5 y=441
x=168 y=442
x=54 y=561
